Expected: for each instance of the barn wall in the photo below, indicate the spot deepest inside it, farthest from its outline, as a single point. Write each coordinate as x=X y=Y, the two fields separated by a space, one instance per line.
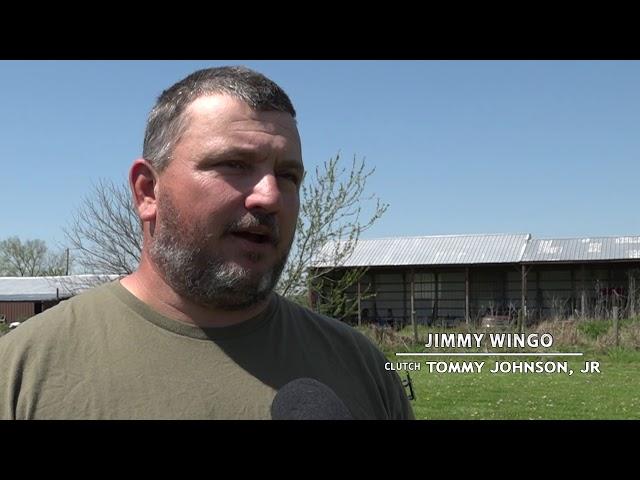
x=552 y=291
x=16 y=311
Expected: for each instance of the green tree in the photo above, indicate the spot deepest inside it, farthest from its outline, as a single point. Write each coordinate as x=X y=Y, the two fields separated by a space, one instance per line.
x=329 y=227
x=30 y=258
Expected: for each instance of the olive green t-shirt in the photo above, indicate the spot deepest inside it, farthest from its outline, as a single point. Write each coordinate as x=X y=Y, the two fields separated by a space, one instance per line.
x=105 y=354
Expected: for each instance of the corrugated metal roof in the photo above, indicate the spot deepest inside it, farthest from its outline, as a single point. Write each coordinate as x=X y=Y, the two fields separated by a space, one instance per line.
x=432 y=250
x=34 y=289
x=581 y=249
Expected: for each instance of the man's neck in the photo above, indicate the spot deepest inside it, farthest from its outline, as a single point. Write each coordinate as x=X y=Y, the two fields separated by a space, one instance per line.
x=149 y=287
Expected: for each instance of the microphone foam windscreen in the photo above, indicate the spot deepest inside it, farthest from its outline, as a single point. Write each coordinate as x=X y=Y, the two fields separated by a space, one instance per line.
x=308 y=399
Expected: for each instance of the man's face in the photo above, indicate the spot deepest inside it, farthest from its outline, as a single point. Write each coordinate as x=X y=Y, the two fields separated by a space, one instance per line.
x=227 y=203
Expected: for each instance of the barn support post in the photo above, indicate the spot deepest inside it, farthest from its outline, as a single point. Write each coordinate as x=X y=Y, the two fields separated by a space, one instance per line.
x=435 y=298
x=631 y=295
x=466 y=296
x=413 y=310
x=404 y=298
x=573 y=291
x=359 y=309
x=374 y=288
x=523 y=301
x=583 y=294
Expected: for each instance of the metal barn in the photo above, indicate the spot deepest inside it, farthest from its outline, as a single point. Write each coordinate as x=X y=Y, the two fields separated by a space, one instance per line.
x=451 y=279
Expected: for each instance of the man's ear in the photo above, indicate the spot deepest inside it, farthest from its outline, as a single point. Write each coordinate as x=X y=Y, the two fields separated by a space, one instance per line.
x=142 y=180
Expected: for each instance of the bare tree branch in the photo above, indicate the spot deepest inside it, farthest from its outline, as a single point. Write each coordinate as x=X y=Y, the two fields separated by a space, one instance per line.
x=106 y=235
x=105 y=232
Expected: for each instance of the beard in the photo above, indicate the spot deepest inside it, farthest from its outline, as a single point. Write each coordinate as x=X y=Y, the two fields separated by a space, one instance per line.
x=182 y=251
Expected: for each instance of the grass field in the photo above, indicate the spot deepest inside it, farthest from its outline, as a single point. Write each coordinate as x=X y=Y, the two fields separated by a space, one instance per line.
x=612 y=394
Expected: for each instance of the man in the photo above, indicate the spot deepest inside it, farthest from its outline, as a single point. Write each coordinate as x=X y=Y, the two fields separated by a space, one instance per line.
x=197 y=332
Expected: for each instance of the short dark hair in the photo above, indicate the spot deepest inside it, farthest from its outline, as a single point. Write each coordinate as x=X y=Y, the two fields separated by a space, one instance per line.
x=166 y=122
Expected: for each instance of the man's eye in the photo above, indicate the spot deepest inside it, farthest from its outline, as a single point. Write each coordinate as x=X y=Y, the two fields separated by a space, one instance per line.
x=292 y=177
x=234 y=165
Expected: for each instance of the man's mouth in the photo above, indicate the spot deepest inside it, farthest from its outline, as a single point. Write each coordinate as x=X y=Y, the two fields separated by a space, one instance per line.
x=255 y=236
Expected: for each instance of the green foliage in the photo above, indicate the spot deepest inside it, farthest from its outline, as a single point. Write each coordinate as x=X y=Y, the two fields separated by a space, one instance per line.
x=594 y=328
x=300 y=298
x=331 y=294
x=31 y=258
x=329 y=227
x=612 y=394
x=623 y=355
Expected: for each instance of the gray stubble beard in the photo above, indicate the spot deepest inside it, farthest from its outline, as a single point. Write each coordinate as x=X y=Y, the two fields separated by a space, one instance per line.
x=180 y=251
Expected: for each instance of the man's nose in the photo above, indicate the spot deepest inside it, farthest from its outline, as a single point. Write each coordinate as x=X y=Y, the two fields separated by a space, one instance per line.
x=265 y=195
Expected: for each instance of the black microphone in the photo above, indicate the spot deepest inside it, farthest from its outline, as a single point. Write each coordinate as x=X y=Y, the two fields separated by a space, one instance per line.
x=308 y=399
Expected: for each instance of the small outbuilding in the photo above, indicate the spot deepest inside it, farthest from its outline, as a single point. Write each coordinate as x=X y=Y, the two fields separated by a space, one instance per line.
x=24 y=297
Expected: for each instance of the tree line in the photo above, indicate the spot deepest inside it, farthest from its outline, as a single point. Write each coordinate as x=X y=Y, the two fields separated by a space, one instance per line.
x=30 y=258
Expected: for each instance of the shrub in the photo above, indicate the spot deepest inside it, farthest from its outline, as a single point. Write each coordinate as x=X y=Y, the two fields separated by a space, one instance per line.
x=594 y=329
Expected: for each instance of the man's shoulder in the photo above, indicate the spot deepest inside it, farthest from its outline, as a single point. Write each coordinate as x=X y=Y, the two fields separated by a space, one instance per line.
x=65 y=315
x=295 y=310
x=329 y=326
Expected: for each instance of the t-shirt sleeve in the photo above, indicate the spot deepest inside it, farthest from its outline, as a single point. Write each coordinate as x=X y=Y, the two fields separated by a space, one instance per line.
x=397 y=402
x=400 y=406
x=8 y=376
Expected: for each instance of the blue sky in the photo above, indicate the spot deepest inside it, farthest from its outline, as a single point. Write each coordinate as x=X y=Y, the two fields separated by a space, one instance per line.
x=550 y=148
